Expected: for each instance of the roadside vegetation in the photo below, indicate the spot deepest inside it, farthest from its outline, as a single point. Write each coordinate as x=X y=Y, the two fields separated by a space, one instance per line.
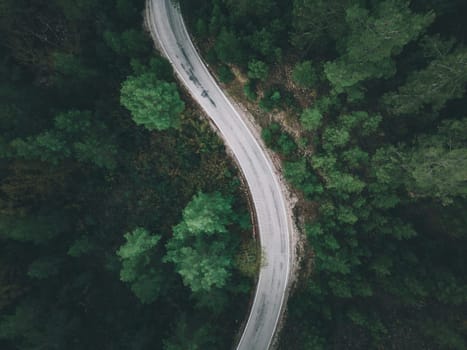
x=123 y=224
x=365 y=102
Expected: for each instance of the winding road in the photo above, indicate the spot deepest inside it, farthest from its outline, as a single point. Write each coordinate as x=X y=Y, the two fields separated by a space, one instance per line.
x=165 y=22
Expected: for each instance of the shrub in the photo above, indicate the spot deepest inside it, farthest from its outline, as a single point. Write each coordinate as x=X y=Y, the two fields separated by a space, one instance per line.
x=225 y=74
x=249 y=91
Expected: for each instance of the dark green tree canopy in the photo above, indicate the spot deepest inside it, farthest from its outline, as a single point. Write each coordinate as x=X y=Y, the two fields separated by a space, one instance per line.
x=75 y=134
x=442 y=80
x=382 y=197
x=437 y=165
x=373 y=39
x=77 y=172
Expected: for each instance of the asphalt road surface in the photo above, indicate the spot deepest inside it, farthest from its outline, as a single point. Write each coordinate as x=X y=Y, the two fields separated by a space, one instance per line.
x=166 y=25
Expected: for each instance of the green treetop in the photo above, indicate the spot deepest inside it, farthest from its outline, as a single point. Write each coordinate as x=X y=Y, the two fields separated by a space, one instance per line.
x=304 y=74
x=373 y=39
x=199 y=246
x=437 y=165
x=135 y=255
x=153 y=103
x=443 y=79
x=75 y=134
x=258 y=70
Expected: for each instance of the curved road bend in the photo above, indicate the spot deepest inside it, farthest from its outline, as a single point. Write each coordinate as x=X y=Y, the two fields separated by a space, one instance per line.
x=166 y=25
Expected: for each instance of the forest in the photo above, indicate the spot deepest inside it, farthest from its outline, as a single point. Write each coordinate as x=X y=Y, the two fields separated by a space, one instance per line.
x=123 y=223
x=365 y=102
